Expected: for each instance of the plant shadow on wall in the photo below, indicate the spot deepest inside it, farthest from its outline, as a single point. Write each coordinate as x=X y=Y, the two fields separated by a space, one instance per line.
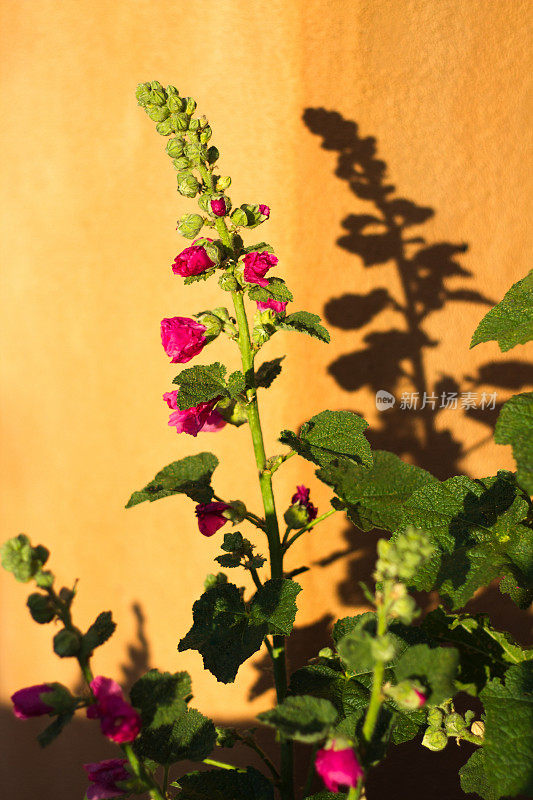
x=385 y=237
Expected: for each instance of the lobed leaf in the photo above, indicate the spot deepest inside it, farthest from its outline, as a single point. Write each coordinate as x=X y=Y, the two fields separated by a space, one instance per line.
x=219 y=784
x=191 y=476
x=303 y=718
x=331 y=435
x=99 y=632
x=514 y=426
x=510 y=322
x=274 y=605
x=268 y=372
x=305 y=322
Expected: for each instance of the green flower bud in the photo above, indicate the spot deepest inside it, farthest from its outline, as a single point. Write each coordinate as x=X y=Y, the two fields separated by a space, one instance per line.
x=41 y=608
x=434 y=740
x=179 y=122
x=214 y=580
x=239 y=218
x=44 y=579
x=142 y=93
x=190 y=106
x=404 y=609
x=195 y=152
x=165 y=127
x=172 y=91
x=67 y=643
x=222 y=183
x=296 y=516
x=455 y=725
x=206 y=134
x=181 y=163
x=175 y=104
x=158 y=96
x=435 y=718
x=59 y=698
x=194 y=124
x=212 y=154
x=187 y=184
x=157 y=113
x=190 y=225
x=203 y=201
x=213 y=323
x=214 y=251
x=383 y=648
x=203 y=121
x=406 y=695
x=175 y=147
x=237 y=511
x=401 y=558
x=327 y=653
x=234 y=412
x=228 y=282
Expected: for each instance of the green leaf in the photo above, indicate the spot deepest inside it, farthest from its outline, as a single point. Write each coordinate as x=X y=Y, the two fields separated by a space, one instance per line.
x=268 y=372
x=23 y=560
x=221 y=632
x=511 y=321
x=508 y=740
x=225 y=785
x=277 y=289
x=514 y=426
x=376 y=494
x=347 y=695
x=331 y=435
x=202 y=276
x=478 y=531
x=191 y=476
x=274 y=605
x=303 y=718
x=100 y=631
x=484 y=652
x=53 y=730
x=201 y=383
x=436 y=668
x=305 y=322
x=170 y=730
x=474 y=777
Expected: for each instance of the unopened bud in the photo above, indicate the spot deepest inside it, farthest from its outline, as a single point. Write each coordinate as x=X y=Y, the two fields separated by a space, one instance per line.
x=188 y=184
x=406 y=695
x=296 y=516
x=175 y=147
x=41 y=608
x=205 y=134
x=454 y=724
x=435 y=718
x=165 y=127
x=67 y=643
x=190 y=105
x=239 y=218
x=222 y=183
x=193 y=124
x=175 y=103
x=228 y=282
x=157 y=113
x=220 y=206
x=383 y=648
x=434 y=739
x=190 y=225
x=179 y=122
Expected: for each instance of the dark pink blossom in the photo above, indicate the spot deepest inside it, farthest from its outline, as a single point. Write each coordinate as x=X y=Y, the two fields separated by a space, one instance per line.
x=183 y=338
x=118 y=720
x=420 y=696
x=278 y=306
x=339 y=769
x=104 y=777
x=28 y=703
x=192 y=261
x=211 y=517
x=302 y=498
x=218 y=207
x=201 y=418
x=256 y=266
x=265 y=211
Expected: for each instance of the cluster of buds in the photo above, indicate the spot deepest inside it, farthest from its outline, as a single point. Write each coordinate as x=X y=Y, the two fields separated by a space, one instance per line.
x=444 y=722
x=399 y=559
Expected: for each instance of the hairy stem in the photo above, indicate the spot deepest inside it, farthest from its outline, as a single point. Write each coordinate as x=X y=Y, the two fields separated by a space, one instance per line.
x=140 y=772
x=377 y=680
x=325 y=515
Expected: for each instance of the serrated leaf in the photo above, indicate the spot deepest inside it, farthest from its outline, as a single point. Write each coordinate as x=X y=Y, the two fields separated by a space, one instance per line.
x=158 y=690
x=229 y=560
x=221 y=632
x=514 y=427
x=53 y=730
x=474 y=777
x=319 y=680
x=275 y=605
x=200 y=383
x=331 y=435
x=511 y=321
x=225 y=785
x=99 y=632
x=303 y=718
x=268 y=372
x=305 y=322
x=202 y=276
x=236 y=384
x=436 y=668
x=277 y=289
x=508 y=739
x=478 y=531
x=191 y=476
x=377 y=493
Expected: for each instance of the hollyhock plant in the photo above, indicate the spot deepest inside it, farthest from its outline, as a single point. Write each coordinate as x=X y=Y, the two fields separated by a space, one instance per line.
x=218 y=207
x=211 y=517
x=278 y=306
x=105 y=777
x=119 y=721
x=338 y=767
x=28 y=702
x=256 y=266
x=192 y=261
x=201 y=418
x=182 y=338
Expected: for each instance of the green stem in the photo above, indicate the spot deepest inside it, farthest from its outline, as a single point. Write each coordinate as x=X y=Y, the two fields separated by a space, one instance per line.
x=255 y=577
x=310 y=772
x=471 y=737
x=355 y=791
x=308 y=527
x=377 y=680
x=220 y=764
x=140 y=772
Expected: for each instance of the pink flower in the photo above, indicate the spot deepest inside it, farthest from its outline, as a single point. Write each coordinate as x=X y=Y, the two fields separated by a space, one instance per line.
x=200 y=418
x=104 y=776
x=256 y=266
x=183 y=338
x=338 y=769
x=191 y=261
x=27 y=702
x=421 y=697
x=211 y=517
x=265 y=211
x=278 y=306
x=302 y=498
x=118 y=720
x=218 y=207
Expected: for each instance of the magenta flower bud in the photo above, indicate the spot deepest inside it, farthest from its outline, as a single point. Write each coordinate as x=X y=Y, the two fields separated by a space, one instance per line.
x=218 y=207
x=211 y=517
x=339 y=769
x=302 y=498
x=256 y=266
x=265 y=211
x=278 y=306
x=182 y=338
x=104 y=777
x=119 y=721
x=420 y=696
x=192 y=261
x=201 y=418
x=28 y=703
